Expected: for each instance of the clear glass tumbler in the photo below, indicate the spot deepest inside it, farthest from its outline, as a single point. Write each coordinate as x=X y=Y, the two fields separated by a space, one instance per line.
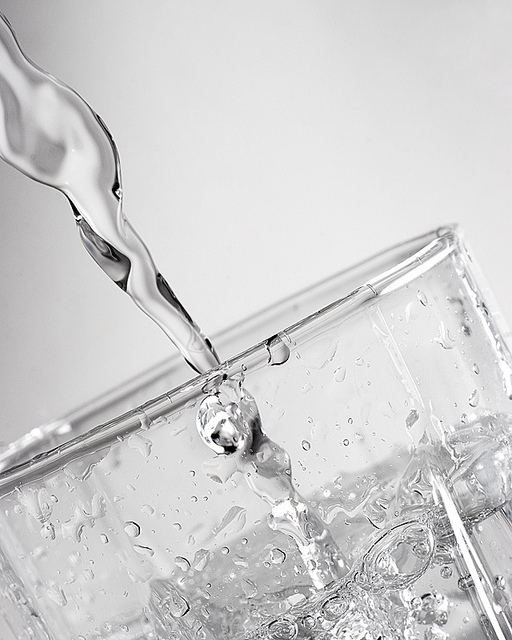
x=385 y=404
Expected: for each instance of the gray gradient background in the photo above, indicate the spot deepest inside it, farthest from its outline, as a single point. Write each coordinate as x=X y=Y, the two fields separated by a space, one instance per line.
x=265 y=145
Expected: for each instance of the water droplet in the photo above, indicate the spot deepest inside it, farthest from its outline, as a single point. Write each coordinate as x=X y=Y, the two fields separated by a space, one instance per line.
x=465 y=582
x=132 y=529
x=182 y=563
x=433 y=610
x=219 y=470
x=140 y=444
x=104 y=538
x=277 y=556
x=334 y=608
x=306 y=445
x=147 y=509
x=422 y=297
x=435 y=633
x=221 y=426
x=283 y=630
x=232 y=523
x=224 y=551
x=56 y=594
x=143 y=550
x=319 y=352
x=177 y=525
x=474 y=398
x=249 y=588
x=445 y=338
x=476 y=368
x=48 y=531
x=278 y=352
x=338 y=482
x=500 y=582
x=412 y=418
x=340 y=374
x=167 y=599
x=201 y=559
x=443 y=554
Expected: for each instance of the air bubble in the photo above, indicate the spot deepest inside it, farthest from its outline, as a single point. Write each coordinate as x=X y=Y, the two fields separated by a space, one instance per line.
x=283 y=630
x=308 y=622
x=104 y=538
x=278 y=352
x=306 y=445
x=446 y=572
x=334 y=608
x=399 y=557
x=346 y=442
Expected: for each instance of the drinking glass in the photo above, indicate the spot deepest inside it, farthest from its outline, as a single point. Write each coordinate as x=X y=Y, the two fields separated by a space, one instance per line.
x=385 y=392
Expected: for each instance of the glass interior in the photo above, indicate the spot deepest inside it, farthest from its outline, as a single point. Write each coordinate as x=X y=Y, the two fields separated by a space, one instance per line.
x=170 y=373
x=374 y=497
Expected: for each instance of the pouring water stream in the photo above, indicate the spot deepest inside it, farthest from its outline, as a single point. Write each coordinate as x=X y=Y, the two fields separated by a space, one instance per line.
x=49 y=133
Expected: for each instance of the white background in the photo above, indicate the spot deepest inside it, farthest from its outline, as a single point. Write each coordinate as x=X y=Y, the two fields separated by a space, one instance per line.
x=265 y=145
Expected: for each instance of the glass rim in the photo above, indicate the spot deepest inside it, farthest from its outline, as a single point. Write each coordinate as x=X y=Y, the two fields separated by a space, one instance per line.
x=413 y=258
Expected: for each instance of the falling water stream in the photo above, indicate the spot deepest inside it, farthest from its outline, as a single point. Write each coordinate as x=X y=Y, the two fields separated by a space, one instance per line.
x=49 y=133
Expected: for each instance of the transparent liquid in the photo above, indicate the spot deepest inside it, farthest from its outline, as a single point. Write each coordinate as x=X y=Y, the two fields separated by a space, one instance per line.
x=52 y=135
x=48 y=132
x=420 y=574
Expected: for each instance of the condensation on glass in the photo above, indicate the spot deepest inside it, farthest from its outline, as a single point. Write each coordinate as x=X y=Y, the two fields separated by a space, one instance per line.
x=387 y=386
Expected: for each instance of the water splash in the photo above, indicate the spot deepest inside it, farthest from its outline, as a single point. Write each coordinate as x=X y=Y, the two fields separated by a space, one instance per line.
x=234 y=428
x=49 y=133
